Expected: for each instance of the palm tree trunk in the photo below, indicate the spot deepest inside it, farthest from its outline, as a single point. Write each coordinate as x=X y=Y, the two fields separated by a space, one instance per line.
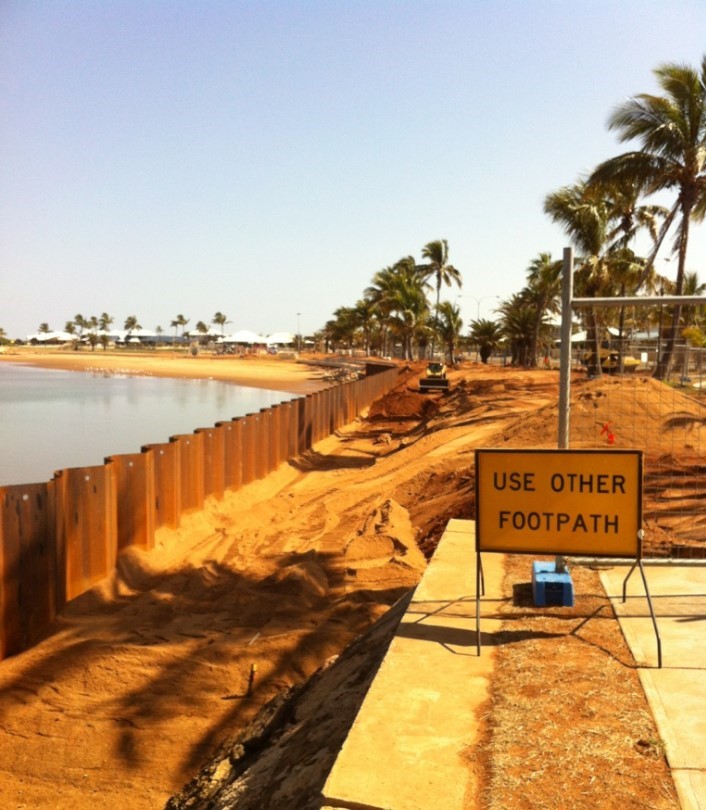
x=664 y=365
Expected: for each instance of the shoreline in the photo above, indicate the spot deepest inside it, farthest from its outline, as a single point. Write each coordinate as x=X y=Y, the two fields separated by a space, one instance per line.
x=253 y=371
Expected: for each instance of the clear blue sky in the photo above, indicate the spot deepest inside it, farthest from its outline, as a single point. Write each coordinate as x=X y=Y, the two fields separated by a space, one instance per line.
x=266 y=158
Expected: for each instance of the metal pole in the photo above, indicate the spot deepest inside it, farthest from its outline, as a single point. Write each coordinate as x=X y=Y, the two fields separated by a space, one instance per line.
x=567 y=288
x=567 y=285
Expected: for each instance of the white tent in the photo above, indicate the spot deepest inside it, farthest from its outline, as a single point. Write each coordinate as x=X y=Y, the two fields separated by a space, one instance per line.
x=244 y=336
x=121 y=334
x=280 y=338
x=46 y=337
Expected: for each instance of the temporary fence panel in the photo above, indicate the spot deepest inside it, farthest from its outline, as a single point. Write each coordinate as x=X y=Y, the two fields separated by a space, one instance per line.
x=623 y=394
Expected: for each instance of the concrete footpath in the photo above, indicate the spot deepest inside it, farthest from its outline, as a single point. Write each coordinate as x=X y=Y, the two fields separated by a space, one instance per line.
x=676 y=692
x=405 y=749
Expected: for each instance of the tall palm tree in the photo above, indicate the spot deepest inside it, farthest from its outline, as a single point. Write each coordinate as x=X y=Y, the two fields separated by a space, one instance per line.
x=519 y=323
x=105 y=321
x=438 y=268
x=671 y=129
x=180 y=320
x=93 y=332
x=131 y=324
x=448 y=324
x=80 y=323
x=345 y=326
x=585 y=214
x=365 y=316
x=391 y=290
x=219 y=319
x=544 y=291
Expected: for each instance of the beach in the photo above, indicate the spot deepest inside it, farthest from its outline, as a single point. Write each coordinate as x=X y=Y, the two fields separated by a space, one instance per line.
x=256 y=371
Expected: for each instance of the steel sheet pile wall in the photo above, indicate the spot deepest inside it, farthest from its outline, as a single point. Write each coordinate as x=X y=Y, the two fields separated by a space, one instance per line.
x=59 y=538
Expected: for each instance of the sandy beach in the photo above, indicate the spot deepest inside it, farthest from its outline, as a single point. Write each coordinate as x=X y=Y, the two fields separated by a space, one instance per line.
x=256 y=371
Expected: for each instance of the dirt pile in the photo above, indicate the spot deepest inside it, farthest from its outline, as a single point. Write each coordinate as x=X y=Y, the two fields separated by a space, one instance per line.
x=282 y=759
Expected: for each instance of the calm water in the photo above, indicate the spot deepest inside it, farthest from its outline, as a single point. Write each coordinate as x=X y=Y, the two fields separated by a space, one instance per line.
x=52 y=420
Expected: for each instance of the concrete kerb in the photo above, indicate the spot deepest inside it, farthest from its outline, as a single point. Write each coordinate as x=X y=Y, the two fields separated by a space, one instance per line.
x=674 y=692
x=405 y=750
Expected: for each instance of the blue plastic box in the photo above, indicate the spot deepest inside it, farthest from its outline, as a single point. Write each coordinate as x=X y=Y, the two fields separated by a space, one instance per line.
x=550 y=587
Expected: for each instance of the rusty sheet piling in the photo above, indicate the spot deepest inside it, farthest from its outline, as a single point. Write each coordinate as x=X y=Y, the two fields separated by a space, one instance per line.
x=62 y=537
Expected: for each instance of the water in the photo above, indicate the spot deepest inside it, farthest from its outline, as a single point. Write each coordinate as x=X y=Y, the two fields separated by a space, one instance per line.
x=52 y=420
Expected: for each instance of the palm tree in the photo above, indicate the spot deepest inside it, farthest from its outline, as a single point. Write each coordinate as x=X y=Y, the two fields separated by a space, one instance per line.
x=202 y=329
x=104 y=323
x=180 y=320
x=345 y=326
x=671 y=129
x=448 y=325
x=44 y=328
x=80 y=323
x=585 y=214
x=3 y=335
x=487 y=335
x=365 y=316
x=219 y=319
x=519 y=324
x=93 y=332
x=544 y=291
x=131 y=325
x=438 y=267
x=391 y=292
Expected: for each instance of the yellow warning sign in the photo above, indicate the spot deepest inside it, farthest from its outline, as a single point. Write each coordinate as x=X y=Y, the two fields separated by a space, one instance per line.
x=569 y=502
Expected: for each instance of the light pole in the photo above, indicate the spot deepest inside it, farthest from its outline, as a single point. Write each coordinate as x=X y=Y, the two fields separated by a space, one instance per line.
x=479 y=301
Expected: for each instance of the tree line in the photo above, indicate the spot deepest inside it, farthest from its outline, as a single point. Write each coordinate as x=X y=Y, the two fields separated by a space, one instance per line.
x=602 y=214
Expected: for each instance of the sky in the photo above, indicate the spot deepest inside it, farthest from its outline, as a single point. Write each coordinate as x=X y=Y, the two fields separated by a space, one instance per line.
x=265 y=158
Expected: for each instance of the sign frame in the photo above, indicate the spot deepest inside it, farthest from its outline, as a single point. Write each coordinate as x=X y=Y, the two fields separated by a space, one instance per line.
x=590 y=486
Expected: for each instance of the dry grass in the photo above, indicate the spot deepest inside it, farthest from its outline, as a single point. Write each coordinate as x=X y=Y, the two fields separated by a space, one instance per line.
x=567 y=724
